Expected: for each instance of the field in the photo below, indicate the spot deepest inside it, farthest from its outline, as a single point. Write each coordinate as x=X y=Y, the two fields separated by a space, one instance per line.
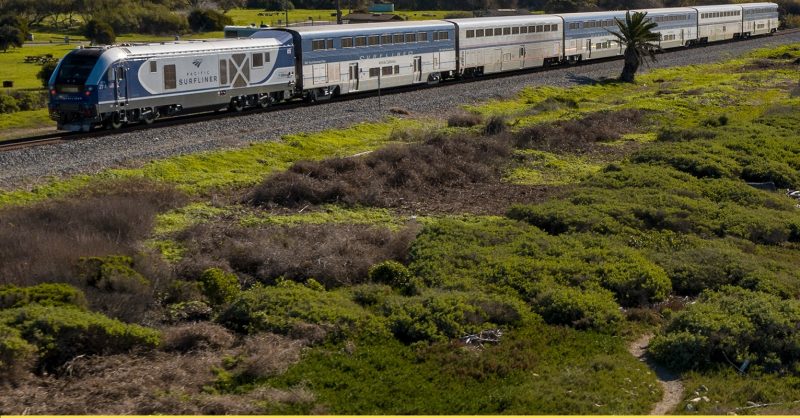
x=498 y=261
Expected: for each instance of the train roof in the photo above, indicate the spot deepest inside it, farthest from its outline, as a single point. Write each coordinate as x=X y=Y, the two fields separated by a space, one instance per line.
x=754 y=5
x=360 y=28
x=717 y=7
x=504 y=20
x=185 y=47
x=591 y=15
x=667 y=10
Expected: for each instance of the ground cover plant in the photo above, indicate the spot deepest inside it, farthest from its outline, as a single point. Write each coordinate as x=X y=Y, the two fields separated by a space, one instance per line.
x=500 y=265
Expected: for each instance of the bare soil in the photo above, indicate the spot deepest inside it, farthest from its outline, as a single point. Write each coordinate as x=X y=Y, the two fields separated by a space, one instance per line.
x=669 y=381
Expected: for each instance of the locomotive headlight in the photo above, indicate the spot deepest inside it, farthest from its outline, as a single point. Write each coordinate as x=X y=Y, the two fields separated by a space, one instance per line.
x=52 y=92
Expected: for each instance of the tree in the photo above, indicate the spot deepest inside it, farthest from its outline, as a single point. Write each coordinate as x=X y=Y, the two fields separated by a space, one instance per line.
x=208 y=20
x=226 y=5
x=46 y=71
x=99 y=32
x=637 y=36
x=13 y=31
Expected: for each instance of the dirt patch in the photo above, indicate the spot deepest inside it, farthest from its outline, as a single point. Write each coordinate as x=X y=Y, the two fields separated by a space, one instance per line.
x=669 y=381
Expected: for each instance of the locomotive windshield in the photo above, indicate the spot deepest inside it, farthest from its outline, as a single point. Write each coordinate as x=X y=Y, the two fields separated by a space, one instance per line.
x=77 y=66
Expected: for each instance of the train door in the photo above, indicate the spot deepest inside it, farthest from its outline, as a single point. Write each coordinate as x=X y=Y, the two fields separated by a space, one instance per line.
x=353 y=76
x=522 y=56
x=417 y=69
x=121 y=83
x=589 y=48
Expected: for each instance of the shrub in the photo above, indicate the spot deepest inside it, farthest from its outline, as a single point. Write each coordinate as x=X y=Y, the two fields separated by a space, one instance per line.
x=99 y=32
x=112 y=274
x=30 y=100
x=8 y=104
x=578 y=135
x=442 y=316
x=288 y=305
x=46 y=294
x=395 y=275
x=194 y=310
x=558 y=217
x=159 y=20
x=15 y=354
x=581 y=309
x=61 y=333
x=495 y=125
x=680 y=135
x=208 y=20
x=731 y=325
x=197 y=336
x=777 y=172
x=464 y=120
x=220 y=287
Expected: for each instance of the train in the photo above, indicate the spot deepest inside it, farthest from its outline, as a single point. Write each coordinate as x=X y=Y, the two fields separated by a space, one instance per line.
x=112 y=86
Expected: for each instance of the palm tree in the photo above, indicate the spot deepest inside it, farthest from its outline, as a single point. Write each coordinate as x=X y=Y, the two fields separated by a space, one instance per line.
x=637 y=36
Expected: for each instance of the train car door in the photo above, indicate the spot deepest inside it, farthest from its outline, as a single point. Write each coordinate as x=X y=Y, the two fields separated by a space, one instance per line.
x=522 y=56
x=589 y=48
x=353 y=76
x=121 y=83
x=417 y=69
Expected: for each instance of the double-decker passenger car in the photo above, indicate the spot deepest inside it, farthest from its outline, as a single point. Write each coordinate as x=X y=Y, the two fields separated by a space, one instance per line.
x=677 y=26
x=491 y=45
x=129 y=83
x=588 y=35
x=339 y=59
x=718 y=23
x=759 y=18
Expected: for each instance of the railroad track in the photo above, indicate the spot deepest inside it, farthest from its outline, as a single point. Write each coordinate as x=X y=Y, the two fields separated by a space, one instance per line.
x=62 y=137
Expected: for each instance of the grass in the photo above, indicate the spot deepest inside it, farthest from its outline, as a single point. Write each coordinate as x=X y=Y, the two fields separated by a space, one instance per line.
x=31 y=119
x=544 y=168
x=257 y=16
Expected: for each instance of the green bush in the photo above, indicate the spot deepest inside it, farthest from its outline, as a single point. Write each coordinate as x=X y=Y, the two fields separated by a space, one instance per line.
x=30 y=100
x=112 y=274
x=46 y=294
x=8 y=104
x=159 y=20
x=696 y=269
x=46 y=72
x=777 y=172
x=14 y=354
x=208 y=20
x=99 y=32
x=581 y=309
x=61 y=333
x=447 y=315
x=558 y=217
x=732 y=325
x=396 y=275
x=287 y=306
x=220 y=287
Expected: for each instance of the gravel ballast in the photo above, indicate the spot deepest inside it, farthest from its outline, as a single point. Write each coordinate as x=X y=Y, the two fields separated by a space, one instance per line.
x=25 y=167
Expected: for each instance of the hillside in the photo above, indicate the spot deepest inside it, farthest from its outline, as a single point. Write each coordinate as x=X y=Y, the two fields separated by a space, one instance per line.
x=501 y=260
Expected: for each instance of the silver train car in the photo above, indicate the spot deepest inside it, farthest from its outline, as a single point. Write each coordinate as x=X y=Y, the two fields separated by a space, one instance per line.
x=116 y=85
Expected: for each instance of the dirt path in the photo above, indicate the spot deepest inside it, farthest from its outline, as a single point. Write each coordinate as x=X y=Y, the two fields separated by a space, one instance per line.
x=669 y=381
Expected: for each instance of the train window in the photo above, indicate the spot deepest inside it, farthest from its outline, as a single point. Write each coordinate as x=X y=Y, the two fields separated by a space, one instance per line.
x=397 y=69
x=515 y=30
x=267 y=57
x=386 y=70
x=374 y=72
x=554 y=27
x=170 y=81
x=498 y=31
x=540 y=28
x=153 y=66
x=422 y=36
x=506 y=31
x=317 y=44
x=386 y=39
x=411 y=37
x=523 y=29
x=329 y=43
x=471 y=33
x=361 y=41
x=398 y=39
x=347 y=42
x=443 y=36
x=489 y=32
x=374 y=40
x=223 y=72
x=479 y=33
x=547 y=28
x=257 y=60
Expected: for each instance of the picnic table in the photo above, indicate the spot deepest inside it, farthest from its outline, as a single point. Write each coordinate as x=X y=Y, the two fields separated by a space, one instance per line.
x=40 y=59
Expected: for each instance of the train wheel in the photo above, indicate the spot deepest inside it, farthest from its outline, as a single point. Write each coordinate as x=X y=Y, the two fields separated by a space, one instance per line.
x=264 y=101
x=113 y=121
x=236 y=105
x=150 y=117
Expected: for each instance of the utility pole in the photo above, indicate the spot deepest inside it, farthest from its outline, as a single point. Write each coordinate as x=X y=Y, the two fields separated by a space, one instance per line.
x=338 y=13
x=286 y=9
